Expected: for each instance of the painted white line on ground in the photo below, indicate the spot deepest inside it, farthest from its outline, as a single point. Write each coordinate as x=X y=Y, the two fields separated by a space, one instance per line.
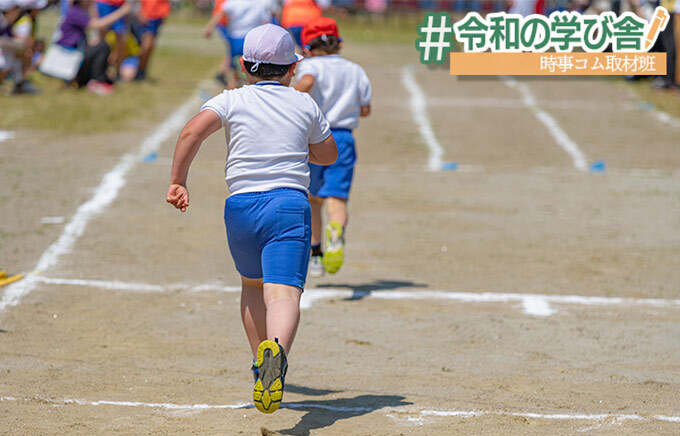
x=666 y=118
x=558 y=134
x=533 y=304
x=5 y=135
x=418 y=105
x=513 y=103
x=104 y=195
x=115 y=285
x=537 y=306
x=392 y=412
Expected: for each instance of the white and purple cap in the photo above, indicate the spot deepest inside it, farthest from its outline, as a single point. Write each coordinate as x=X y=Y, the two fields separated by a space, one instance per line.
x=269 y=44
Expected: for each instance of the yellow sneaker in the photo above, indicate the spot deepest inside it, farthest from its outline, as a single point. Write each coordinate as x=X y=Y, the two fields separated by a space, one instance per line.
x=270 y=372
x=335 y=245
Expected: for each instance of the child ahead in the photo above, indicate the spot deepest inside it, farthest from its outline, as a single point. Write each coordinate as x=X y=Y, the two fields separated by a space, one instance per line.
x=343 y=92
x=273 y=132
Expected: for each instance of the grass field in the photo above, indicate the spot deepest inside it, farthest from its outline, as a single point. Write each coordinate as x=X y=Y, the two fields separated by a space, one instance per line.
x=496 y=281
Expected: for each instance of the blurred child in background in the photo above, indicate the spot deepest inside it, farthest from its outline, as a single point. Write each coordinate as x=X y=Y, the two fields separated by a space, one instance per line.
x=150 y=16
x=343 y=92
x=296 y=14
x=93 y=72
x=241 y=16
x=119 y=26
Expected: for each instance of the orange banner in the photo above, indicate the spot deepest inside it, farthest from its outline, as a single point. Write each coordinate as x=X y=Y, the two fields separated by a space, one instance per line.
x=558 y=64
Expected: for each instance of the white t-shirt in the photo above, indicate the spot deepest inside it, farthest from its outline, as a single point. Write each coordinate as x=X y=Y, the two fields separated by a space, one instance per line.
x=244 y=15
x=269 y=128
x=340 y=88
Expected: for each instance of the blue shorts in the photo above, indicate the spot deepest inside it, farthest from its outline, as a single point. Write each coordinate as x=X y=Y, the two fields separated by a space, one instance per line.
x=223 y=32
x=105 y=9
x=297 y=34
x=235 y=47
x=152 y=26
x=269 y=235
x=335 y=180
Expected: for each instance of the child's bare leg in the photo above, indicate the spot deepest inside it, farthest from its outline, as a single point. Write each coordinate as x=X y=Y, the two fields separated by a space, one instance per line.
x=316 y=204
x=283 y=312
x=148 y=43
x=253 y=312
x=337 y=210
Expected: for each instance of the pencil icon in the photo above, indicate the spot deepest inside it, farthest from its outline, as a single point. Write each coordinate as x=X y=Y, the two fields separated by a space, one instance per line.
x=656 y=26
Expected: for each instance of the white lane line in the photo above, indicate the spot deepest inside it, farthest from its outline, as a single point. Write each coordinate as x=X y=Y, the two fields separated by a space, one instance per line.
x=533 y=304
x=558 y=134
x=5 y=135
x=666 y=118
x=392 y=412
x=104 y=195
x=115 y=285
x=418 y=105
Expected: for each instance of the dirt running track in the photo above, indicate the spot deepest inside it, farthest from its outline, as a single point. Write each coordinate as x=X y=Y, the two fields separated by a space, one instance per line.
x=143 y=351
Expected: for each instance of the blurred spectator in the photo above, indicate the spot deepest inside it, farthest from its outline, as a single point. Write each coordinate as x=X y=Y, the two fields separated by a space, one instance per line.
x=150 y=16
x=73 y=28
x=120 y=27
x=9 y=14
x=24 y=31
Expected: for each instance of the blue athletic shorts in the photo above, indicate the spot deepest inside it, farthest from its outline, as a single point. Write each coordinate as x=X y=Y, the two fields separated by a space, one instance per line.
x=235 y=47
x=297 y=34
x=269 y=235
x=105 y=9
x=223 y=32
x=335 y=180
x=152 y=26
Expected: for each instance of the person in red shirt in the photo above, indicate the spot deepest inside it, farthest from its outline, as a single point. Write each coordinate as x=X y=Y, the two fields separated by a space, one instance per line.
x=150 y=16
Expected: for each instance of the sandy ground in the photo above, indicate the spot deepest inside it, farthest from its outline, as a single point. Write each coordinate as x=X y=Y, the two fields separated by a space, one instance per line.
x=524 y=221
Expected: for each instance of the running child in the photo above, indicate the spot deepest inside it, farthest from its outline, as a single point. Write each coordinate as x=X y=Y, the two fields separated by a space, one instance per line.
x=272 y=132
x=343 y=92
x=241 y=16
x=151 y=16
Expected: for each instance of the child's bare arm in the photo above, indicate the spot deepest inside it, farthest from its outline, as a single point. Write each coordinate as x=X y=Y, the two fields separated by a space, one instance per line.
x=365 y=110
x=108 y=20
x=323 y=153
x=214 y=20
x=305 y=84
x=190 y=139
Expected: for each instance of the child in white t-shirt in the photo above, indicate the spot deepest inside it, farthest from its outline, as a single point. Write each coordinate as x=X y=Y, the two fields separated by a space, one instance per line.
x=240 y=16
x=343 y=92
x=272 y=133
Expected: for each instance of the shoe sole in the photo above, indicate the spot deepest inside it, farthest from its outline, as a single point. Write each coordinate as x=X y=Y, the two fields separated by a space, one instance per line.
x=268 y=390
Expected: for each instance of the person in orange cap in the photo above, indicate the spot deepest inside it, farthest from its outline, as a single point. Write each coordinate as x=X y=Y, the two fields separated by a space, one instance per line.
x=343 y=92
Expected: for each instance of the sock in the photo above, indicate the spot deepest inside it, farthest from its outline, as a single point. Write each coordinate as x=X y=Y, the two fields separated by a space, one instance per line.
x=316 y=250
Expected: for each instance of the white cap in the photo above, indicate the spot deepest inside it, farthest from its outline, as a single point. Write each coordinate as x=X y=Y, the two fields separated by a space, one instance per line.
x=6 y=5
x=270 y=44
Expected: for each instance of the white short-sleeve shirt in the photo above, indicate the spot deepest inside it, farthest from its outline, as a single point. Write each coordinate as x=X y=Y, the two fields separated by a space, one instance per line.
x=244 y=15
x=269 y=128
x=340 y=88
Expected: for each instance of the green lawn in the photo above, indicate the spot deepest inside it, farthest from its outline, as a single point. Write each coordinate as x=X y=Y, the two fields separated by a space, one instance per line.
x=182 y=60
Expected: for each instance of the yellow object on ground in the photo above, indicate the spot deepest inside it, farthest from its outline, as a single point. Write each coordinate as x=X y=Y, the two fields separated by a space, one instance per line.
x=4 y=280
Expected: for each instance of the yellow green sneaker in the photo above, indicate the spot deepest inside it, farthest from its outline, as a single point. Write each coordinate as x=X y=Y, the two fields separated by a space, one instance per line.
x=270 y=372
x=335 y=247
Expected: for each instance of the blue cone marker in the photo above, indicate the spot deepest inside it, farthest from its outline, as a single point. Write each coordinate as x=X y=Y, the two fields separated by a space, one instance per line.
x=450 y=166
x=598 y=166
x=150 y=157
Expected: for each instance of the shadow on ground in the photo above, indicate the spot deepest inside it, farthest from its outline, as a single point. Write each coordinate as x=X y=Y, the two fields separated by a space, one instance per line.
x=322 y=414
x=312 y=392
x=360 y=291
